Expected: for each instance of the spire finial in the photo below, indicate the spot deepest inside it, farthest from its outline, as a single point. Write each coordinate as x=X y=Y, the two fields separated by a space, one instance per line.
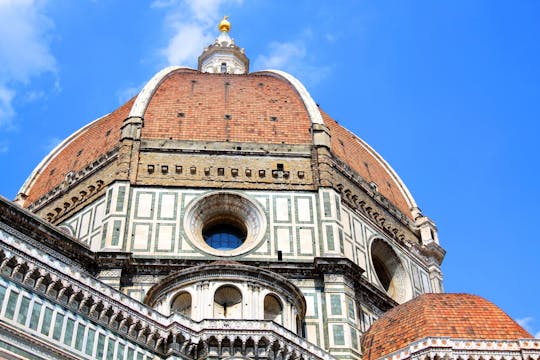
x=224 y=24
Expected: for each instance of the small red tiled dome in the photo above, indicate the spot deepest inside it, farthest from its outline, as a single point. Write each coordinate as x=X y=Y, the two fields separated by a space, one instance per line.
x=458 y=316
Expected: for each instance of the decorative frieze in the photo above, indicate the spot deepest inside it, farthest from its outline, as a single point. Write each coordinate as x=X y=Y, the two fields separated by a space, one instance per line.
x=432 y=348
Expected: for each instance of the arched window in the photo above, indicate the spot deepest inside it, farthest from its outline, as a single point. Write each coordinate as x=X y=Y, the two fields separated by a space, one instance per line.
x=273 y=309
x=228 y=303
x=182 y=304
x=223 y=68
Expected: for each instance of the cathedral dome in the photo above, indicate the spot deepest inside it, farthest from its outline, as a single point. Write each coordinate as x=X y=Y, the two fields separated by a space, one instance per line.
x=455 y=316
x=180 y=105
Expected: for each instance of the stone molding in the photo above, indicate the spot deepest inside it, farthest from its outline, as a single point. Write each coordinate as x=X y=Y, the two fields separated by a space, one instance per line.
x=37 y=236
x=444 y=348
x=356 y=193
x=71 y=181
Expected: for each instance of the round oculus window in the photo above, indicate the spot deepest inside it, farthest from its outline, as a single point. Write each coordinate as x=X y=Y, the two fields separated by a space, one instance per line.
x=390 y=271
x=225 y=223
x=224 y=236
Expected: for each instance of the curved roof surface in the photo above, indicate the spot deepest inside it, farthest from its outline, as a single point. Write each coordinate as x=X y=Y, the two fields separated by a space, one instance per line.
x=218 y=107
x=458 y=316
x=269 y=107
x=76 y=152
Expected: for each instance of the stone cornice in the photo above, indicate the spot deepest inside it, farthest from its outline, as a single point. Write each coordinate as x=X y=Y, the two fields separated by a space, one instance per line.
x=225 y=148
x=379 y=300
x=72 y=180
x=43 y=236
x=431 y=348
x=374 y=207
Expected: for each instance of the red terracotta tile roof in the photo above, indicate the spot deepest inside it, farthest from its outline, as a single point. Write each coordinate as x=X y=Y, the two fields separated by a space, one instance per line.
x=97 y=139
x=347 y=147
x=458 y=316
x=220 y=107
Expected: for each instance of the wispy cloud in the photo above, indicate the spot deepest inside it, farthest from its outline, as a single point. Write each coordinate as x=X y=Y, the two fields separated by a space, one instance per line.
x=191 y=27
x=282 y=55
x=127 y=93
x=6 y=108
x=51 y=144
x=527 y=324
x=291 y=56
x=190 y=24
x=4 y=147
x=25 y=34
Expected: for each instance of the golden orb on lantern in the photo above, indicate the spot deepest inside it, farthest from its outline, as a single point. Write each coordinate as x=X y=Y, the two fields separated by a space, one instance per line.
x=224 y=24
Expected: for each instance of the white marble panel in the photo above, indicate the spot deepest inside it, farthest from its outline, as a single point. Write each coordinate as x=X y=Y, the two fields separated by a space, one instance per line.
x=85 y=223
x=165 y=237
x=282 y=209
x=304 y=209
x=306 y=241
x=144 y=205
x=167 y=206
x=283 y=236
x=141 y=237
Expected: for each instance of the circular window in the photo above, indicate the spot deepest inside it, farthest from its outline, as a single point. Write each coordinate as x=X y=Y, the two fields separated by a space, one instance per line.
x=390 y=271
x=224 y=236
x=224 y=224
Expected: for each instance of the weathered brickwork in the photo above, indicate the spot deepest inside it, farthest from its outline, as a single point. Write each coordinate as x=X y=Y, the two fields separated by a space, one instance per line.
x=96 y=140
x=218 y=107
x=347 y=147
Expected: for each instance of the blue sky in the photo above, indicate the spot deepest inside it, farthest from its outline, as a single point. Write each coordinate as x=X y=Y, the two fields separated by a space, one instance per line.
x=447 y=91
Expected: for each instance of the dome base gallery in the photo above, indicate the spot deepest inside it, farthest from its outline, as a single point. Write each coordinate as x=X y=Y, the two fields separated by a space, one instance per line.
x=221 y=214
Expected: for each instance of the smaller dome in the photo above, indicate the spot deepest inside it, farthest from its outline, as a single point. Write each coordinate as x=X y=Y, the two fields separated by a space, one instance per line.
x=457 y=316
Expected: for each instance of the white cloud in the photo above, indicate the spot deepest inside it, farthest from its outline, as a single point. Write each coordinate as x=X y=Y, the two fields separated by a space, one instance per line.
x=282 y=55
x=51 y=143
x=4 y=147
x=191 y=24
x=6 y=109
x=527 y=323
x=162 y=3
x=291 y=56
x=34 y=95
x=24 y=50
x=187 y=44
x=127 y=93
